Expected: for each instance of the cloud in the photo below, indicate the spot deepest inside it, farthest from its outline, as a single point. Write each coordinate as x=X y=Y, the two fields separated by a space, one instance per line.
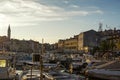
x=75 y=6
x=66 y=1
x=21 y=11
x=99 y=11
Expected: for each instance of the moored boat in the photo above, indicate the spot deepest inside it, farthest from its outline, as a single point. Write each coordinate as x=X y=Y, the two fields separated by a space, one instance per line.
x=6 y=70
x=104 y=74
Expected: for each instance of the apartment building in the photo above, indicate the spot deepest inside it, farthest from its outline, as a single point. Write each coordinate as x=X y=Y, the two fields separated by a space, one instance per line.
x=87 y=40
x=82 y=42
x=71 y=44
x=112 y=37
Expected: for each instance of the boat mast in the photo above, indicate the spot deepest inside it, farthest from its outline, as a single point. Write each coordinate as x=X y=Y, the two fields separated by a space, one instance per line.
x=41 y=62
x=3 y=48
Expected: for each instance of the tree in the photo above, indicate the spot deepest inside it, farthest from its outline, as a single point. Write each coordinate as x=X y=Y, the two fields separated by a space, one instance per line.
x=107 y=45
x=104 y=45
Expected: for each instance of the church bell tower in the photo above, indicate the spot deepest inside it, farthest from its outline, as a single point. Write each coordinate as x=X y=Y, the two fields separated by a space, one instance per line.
x=9 y=32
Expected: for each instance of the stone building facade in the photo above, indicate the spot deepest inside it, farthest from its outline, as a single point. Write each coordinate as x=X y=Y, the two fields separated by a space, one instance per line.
x=71 y=44
x=82 y=42
x=87 y=40
x=112 y=37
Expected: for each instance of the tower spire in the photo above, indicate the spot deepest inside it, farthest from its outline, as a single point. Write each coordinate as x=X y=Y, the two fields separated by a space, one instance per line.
x=9 y=32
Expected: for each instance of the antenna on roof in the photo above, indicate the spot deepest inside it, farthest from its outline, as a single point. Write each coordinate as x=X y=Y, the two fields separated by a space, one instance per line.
x=100 y=27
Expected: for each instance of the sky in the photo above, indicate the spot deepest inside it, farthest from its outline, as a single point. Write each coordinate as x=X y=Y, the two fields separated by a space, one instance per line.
x=56 y=19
